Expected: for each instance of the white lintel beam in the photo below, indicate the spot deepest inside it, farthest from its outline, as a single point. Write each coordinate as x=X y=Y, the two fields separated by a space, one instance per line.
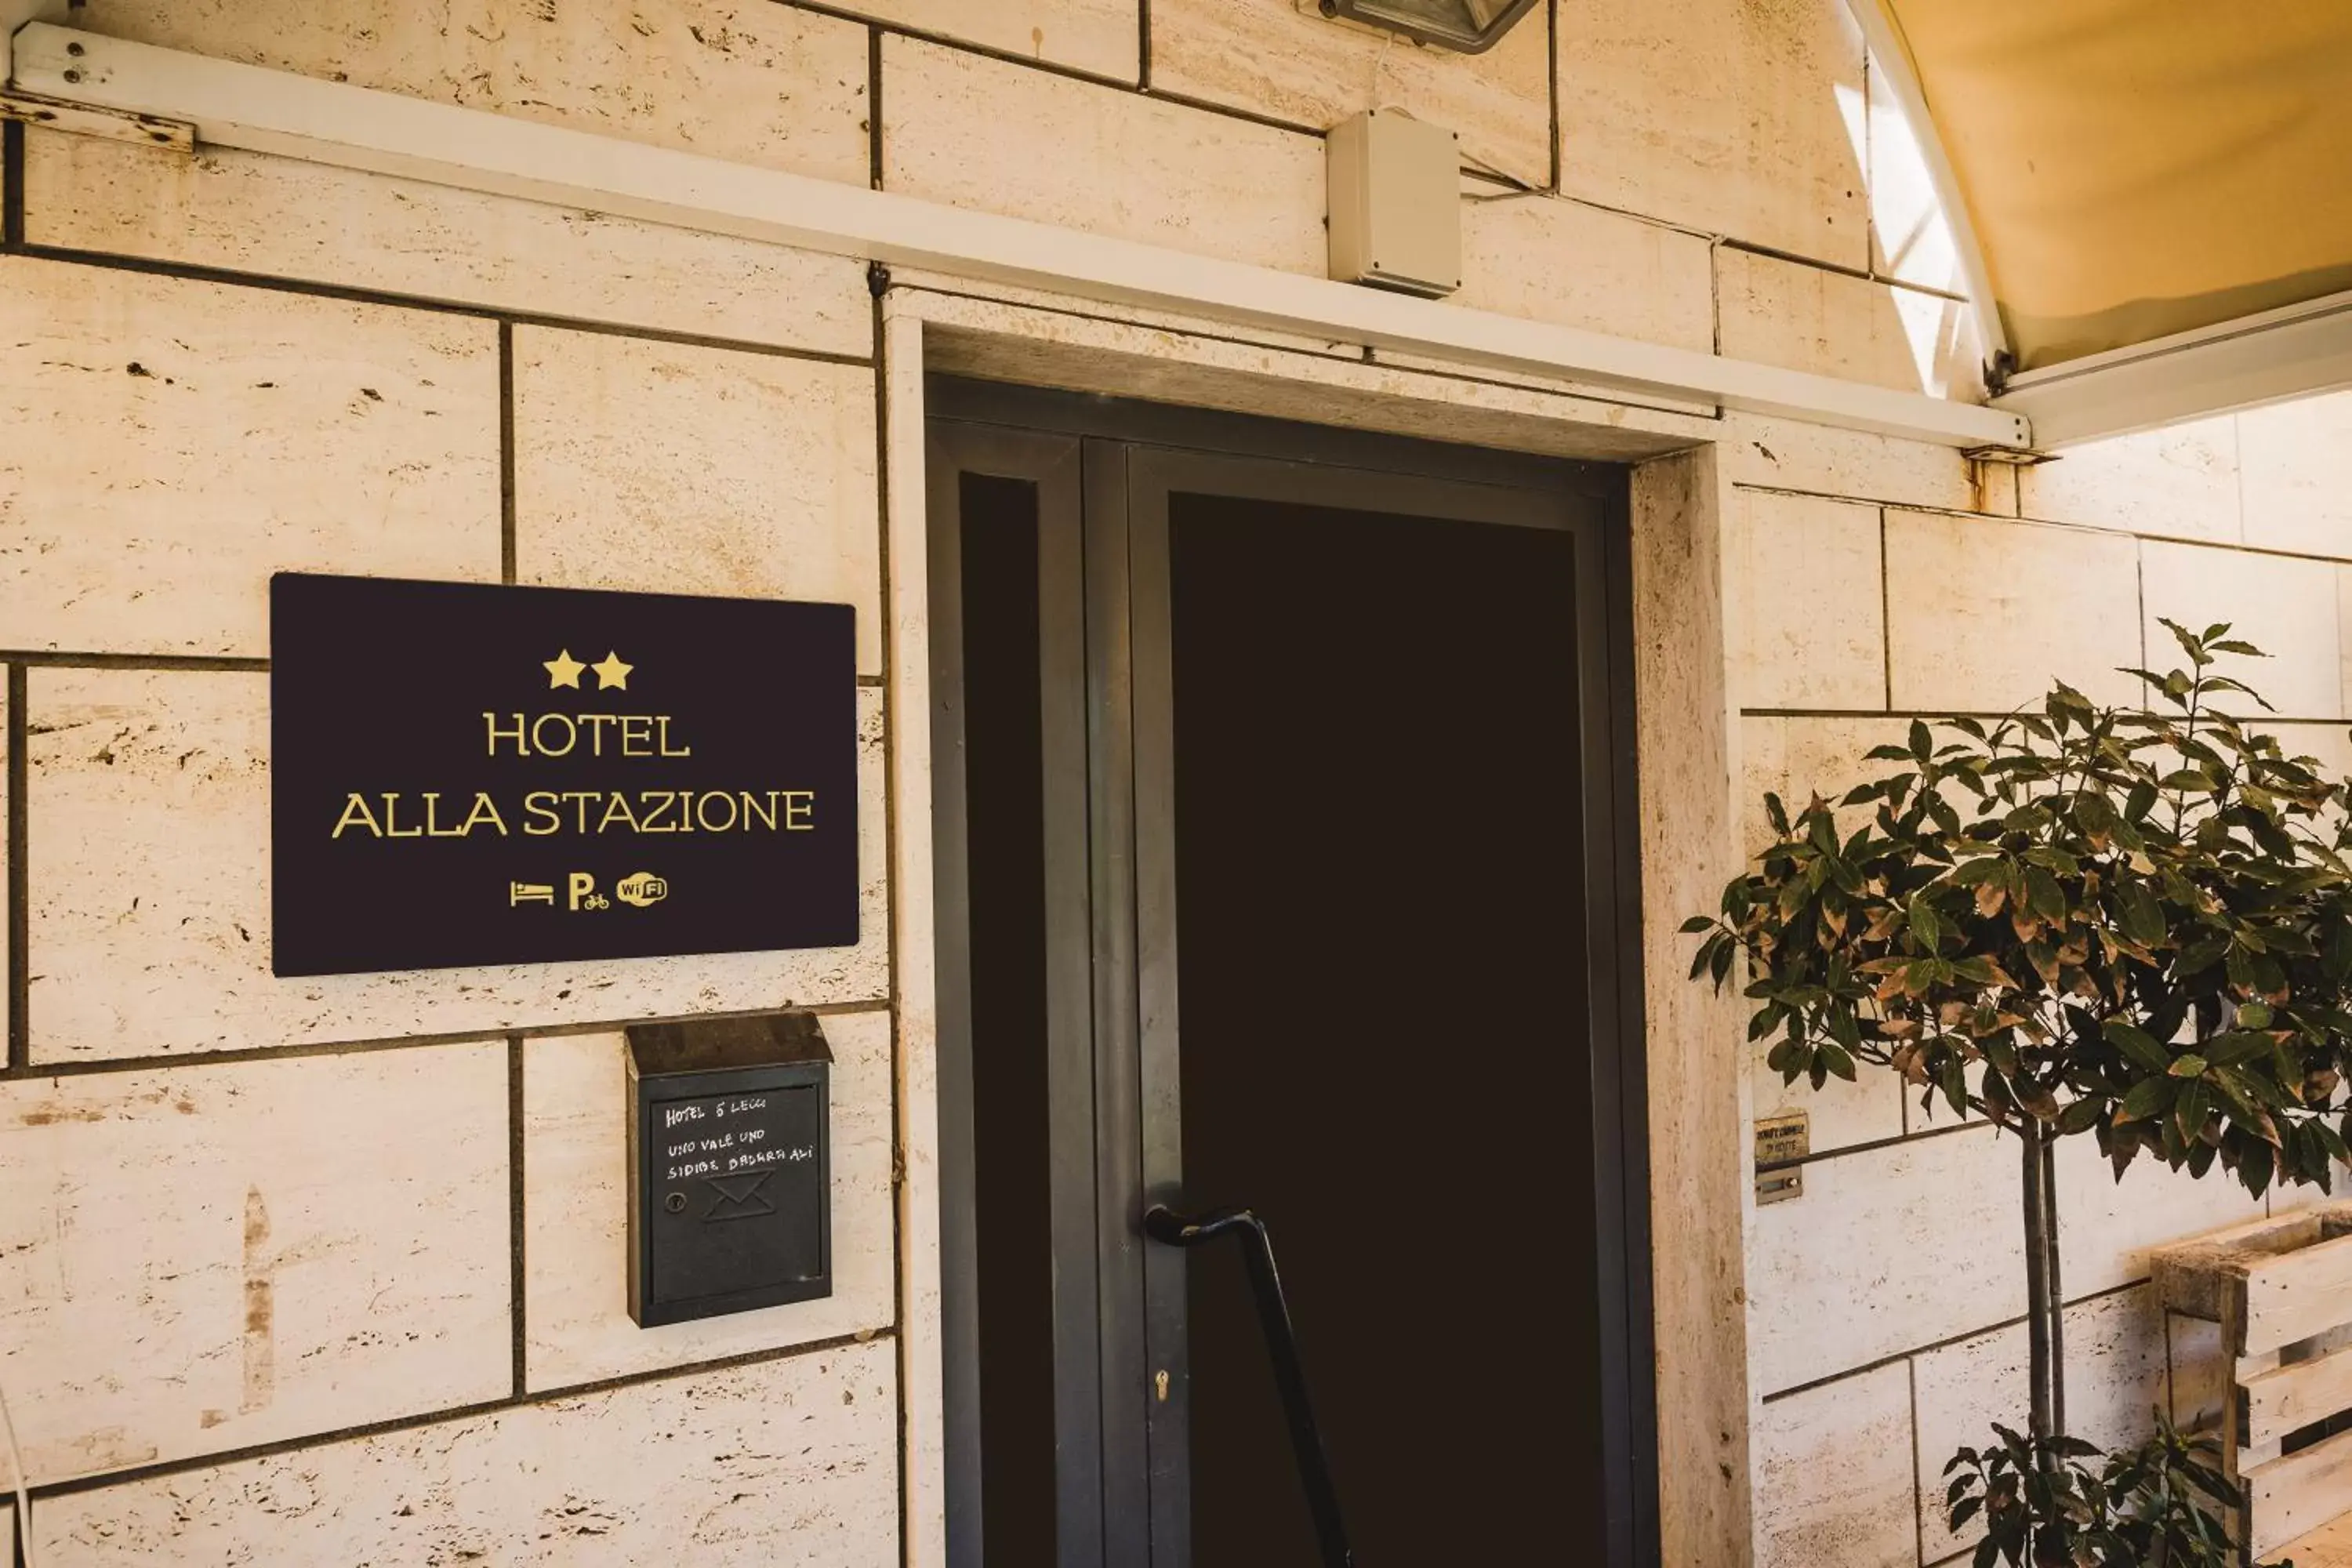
x=2295 y=350
x=262 y=110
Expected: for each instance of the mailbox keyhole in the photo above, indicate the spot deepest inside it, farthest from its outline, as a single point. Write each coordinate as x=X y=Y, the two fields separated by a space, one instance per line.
x=674 y=1203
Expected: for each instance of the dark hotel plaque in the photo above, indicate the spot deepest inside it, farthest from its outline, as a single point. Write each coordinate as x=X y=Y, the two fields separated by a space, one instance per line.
x=463 y=773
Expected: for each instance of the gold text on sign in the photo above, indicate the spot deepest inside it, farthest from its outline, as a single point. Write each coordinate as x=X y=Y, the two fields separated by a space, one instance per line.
x=392 y=814
x=589 y=734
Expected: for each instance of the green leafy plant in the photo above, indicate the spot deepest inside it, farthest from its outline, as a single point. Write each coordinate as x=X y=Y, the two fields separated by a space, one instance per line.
x=2160 y=1505
x=2134 y=922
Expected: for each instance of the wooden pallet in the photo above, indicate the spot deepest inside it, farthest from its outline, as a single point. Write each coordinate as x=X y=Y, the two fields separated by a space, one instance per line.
x=2280 y=1290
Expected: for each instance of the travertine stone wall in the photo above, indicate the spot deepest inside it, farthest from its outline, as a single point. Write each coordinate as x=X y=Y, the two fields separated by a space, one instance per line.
x=330 y=1270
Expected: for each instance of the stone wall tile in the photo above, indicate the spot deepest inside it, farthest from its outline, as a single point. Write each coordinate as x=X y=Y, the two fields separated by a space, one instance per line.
x=1290 y=63
x=575 y=1215
x=1850 y=465
x=740 y=79
x=2294 y=465
x=194 y=1260
x=1984 y=616
x=172 y=443
x=1094 y=158
x=1794 y=758
x=2286 y=608
x=1909 y=238
x=2106 y=1228
x=789 y=1463
x=1810 y=604
x=1785 y=314
x=2180 y=482
x=1629 y=277
x=282 y=217
x=1104 y=36
x=160 y=943
x=1869 y=1262
x=1733 y=116
x=1839 y=1114
x=1833 y=1475
x=665 y=467
x=2114 y=1384
x=1798 y=758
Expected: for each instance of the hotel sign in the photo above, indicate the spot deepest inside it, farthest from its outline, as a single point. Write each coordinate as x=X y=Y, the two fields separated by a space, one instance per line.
x=468 y=774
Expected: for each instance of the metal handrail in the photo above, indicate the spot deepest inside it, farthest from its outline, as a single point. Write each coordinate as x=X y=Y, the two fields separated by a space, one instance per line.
x=1170 y=1228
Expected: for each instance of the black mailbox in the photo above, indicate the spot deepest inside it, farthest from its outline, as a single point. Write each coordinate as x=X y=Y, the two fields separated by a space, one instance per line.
x=730 y=1166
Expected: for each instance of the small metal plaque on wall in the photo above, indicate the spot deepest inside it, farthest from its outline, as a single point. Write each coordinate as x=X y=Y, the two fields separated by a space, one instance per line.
x=465 y=773
x=1781 y=1139
x=730 y=1166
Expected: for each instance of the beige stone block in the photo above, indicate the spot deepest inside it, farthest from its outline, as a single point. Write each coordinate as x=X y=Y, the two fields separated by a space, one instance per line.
x=667 y=467
x=575 y=1215
x=2106 y=1228
x=1733 y=116
x=1839 y=1114
x=788 y=1463
x=1909 y=238
x=1833 y=1475
x=1863 y=1266
x=149 y=804
x=1785 y=314
x=2286 y=608
x=1788 y=454
x=1795 y=758
x=739 y=79
x=2181 y=482
x=1104 y=36
x=1577 y=265
x=1699 y=1170
x=1087 y=157
x=1809 y=602
x=2295 y=475
x=282 y=217
x=197 y=1261
x=1288 y=62
x=1985 y=615
x=2114 y=1384
x=174 y=443
x=1799 y=758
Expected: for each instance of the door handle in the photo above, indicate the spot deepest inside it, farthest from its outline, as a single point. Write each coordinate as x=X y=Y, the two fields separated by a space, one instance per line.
x=1165 y=1225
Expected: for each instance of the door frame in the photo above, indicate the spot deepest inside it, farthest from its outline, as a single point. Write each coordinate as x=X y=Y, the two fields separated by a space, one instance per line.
x=1042 y=436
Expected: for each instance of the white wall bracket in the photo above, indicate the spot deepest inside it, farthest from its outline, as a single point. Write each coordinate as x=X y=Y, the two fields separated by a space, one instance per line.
x=351 y=127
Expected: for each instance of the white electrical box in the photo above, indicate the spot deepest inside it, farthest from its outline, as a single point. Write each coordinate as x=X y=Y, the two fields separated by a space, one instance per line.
x=1396 y=203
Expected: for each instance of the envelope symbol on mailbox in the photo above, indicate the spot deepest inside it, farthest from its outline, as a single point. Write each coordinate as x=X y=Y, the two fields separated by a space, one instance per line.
x=739 y=1197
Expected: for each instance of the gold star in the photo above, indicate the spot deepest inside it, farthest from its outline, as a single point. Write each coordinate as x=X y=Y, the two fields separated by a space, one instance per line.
x=563 y=670
x=612 y=675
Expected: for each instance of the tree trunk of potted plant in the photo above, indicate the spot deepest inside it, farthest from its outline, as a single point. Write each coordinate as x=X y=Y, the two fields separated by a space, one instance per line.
x=2045 y=1304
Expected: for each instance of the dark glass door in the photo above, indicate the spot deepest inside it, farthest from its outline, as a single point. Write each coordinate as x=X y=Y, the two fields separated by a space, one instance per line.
x=1342 y=752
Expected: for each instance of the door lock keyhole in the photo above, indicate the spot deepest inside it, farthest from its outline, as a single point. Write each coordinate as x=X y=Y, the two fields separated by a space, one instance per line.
x=1160 y=1385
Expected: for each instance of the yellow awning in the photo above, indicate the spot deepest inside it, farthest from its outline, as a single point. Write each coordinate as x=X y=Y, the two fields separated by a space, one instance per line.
x=2133 y=169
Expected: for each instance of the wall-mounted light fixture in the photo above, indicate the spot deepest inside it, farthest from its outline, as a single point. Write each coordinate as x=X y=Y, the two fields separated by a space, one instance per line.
x=1470 y=27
